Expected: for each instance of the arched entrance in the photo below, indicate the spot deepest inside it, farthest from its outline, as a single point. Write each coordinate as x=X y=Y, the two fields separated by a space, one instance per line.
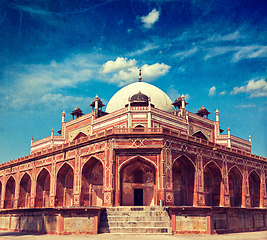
x=92 y=183
x=64 y=195
x=254 y=189
x=212 y=184
x=183 y=173
x=138 y=183
x=10 y=193
x=235 y=187
x=25 y=191
x=43 y=189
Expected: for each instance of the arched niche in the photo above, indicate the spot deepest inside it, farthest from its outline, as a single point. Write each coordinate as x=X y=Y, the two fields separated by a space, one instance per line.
x=183 y=174
x=92 y=183
x=10 y=193
x=235 y=187
x=137 y=180
x=139 y=128
x=24 y=191
x=43 y=189
x=200 y=134
x=254 y=189
x=79 y=135
x=64 y=194
x=212 y=184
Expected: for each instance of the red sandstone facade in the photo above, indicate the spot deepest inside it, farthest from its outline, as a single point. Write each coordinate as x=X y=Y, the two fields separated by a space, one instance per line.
x=137 y=155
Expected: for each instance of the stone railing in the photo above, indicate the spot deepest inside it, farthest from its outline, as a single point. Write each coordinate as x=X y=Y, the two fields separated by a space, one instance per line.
x=131 y=131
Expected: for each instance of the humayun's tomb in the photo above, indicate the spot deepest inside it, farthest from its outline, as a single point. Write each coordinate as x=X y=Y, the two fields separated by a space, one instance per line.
x=144 y=165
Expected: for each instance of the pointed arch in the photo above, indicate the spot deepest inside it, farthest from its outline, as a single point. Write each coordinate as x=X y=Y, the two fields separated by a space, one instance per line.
x=92 y=157
x=235 y=186
x=254 y=188
x=235 y=166
x=64 y=163
x=79 y=135
x=255 y=171
x=10 y=193
x=138 y=192
x=183 y=175
x=184 y=156
x=64 y=191
x=212 y=184
x=24 y=191
x=43 y=188
x=212 y=162
x=140 y=158
x=92 y=183
x=200 y=134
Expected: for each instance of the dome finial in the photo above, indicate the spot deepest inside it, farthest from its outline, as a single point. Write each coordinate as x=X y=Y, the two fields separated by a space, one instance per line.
x=140 y=76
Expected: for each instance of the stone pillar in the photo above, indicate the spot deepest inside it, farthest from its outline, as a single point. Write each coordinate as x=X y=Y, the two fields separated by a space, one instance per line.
x=129 y=115
x=117 y=184
x=263 y=197
x=52 y=136
x=108 y=181
x=149 y=113
x=229 y=138
x=225 y=194
x=245 y=189
x=199 y=190
x=53 y=184
x=33 y=187
x=3 y=190
x=77 y=180
x=16 y=195
x=166 y=194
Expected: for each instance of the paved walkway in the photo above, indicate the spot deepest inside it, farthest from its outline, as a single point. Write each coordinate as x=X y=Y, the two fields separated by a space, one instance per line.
x=262 y=235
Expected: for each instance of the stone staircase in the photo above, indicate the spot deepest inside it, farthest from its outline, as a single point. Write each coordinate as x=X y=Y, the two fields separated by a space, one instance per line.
x=135 y=220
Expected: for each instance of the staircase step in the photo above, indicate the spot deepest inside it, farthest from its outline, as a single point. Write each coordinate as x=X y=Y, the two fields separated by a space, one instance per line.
x=134 y=209
x=135 y=224
x=150 y=230
x=138 y=213
x=132 y=218
x=135 y=220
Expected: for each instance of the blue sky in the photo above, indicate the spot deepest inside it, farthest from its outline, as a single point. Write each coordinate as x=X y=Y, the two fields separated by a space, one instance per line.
x=57 y=54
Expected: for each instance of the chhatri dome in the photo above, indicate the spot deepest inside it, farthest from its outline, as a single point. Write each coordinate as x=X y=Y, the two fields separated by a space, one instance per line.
x=158 y=98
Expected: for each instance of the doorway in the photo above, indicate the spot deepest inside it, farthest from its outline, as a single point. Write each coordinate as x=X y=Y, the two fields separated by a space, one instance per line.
x=138 y=197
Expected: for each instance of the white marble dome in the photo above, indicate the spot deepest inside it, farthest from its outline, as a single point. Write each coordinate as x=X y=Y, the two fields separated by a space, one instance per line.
x=158 y=98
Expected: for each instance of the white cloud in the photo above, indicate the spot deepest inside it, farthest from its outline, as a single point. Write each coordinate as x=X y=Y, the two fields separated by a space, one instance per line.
x=47 y=101
x=255 y=89
x=124 y=71
x=35 y=85
x=246 y=106
x=150 y=19
x=185 y=54
x=228 y=37
x=222 y=93
x=120 y=64
x=154 y=71
x=215 y=51
x=147 y=48
x=253 y=51
x=240 y=52
x=212 y=91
